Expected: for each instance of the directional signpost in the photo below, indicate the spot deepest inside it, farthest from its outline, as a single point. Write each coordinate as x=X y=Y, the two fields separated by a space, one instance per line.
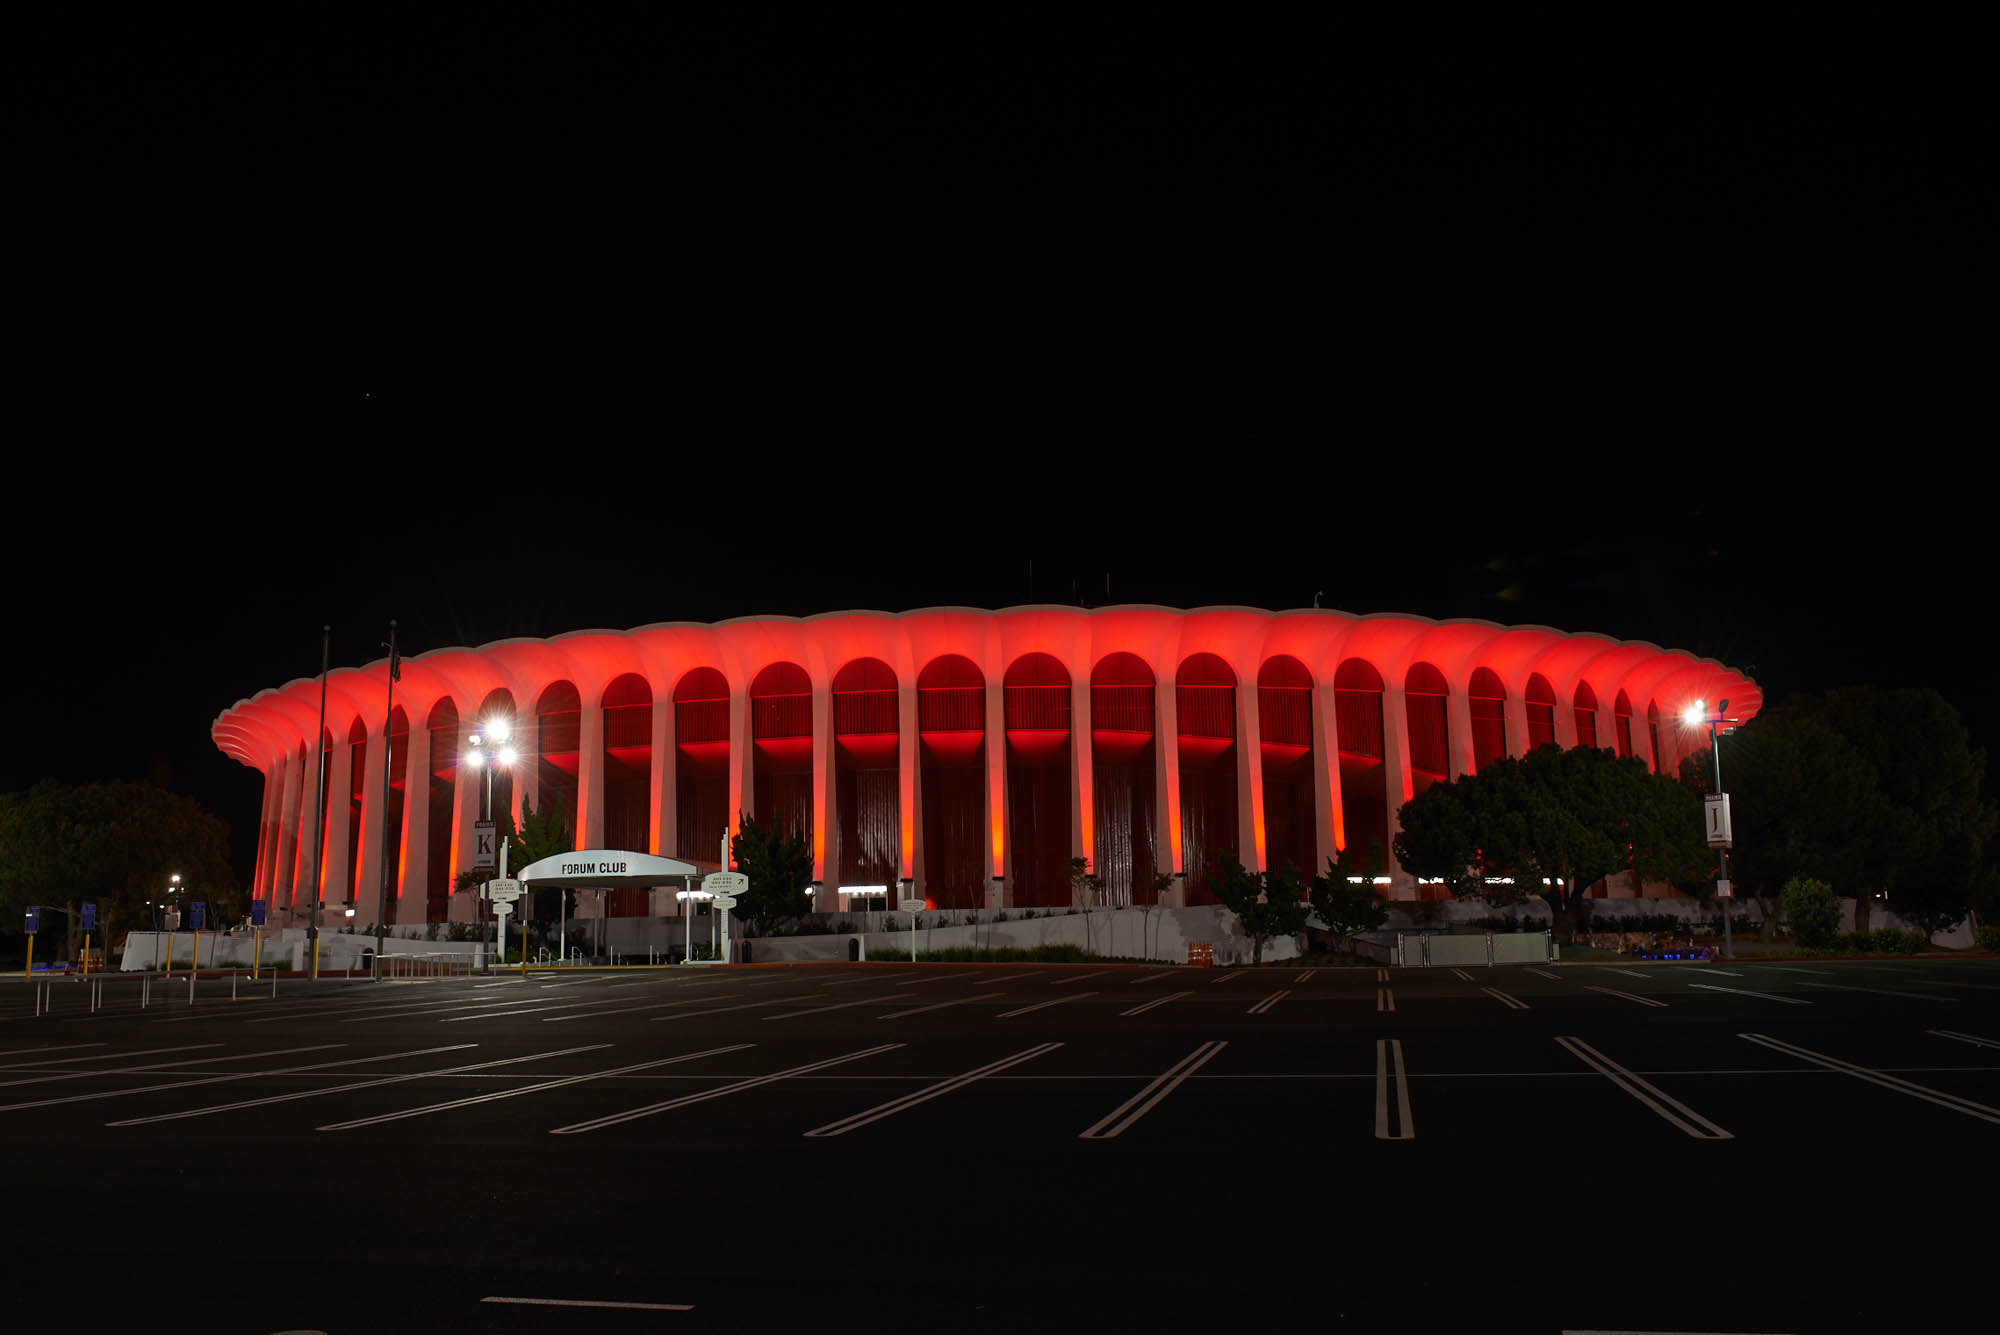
x=34 y=923
x=503 y=893
x=726 y=887
x=257 y=908
x=89 y=926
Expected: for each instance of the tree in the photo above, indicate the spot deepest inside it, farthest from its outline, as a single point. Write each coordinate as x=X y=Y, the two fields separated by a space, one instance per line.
x=1567 y=817
x=1346 y=907
x=116 y=844
x=779 y=866
x=541 y=834
x=1813 y=911
x=1267 y=906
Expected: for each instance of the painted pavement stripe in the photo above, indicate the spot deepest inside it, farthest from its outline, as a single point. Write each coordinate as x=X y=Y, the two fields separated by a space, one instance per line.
x=940 y=1005
x=649 y=1006
x=1164 y=973
x=58 y=1047
x=94 y=1057
x=1498 y=995
x=1268 y=1002
x=1077 y=978
x=1666 y=1105
x=240 y=1075
x=1881 y=991
x=1766 y=996
x=1125 y=1114
x=531 y=1089
x=1463 y=974
x=1145 y=1006
x=1385 y=999
x=1973 y=1039
x=592 y=1302
x=1389 y=1069
x=1629 y=996
x=1916 y=1091
x=596 y=1124
x=718 y=1010
x=1307 y=974
x=362 y=1084
x=911 y=1100
x=836 y=1006
x=1043 y=1005
x=1546 y=974
x=124 y=1070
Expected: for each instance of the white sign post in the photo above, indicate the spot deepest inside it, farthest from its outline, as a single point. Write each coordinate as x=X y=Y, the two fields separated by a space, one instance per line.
x=725 y=887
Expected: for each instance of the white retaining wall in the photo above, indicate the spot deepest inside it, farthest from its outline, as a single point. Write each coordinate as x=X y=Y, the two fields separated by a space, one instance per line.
x=1119 y=933
x=286 y=949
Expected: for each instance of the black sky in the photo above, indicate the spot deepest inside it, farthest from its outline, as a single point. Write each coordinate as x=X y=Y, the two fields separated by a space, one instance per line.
x=507 y=326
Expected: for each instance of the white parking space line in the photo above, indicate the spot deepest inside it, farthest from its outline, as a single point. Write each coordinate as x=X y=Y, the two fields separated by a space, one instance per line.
x=911 y=1100
x=1764 y=996
x=1881 y=991
x=1498 y=995
x=239 y=1075
x=1224 y=978
x=1125 y=1114
x=1164 y=973
x=1268 y=1002
x=593 y=1302
x=651 y=1109
x=1389 y=1069
x=836 y=1006
x=59 y=1047
x=1043 y=1005
x=360 y=1084
x=526 y=1010
x=1307 y=974
x=631 y=1010
x=434 y=1008
x=1145 y=1006
x=1097 y=973
x=1546 y=974
x=1463 y=974
x=1661 y=1102
x=1629 y=996
x=1385 y=999
x=1916 y=1091
x=940 y=1005
x=498 y=1094
x=1710 y=968
x=719 y=1010
x=124 y=1070
x=1983 y=987
x=1812 y=973
x=933 y=978
x=1381 y=975
x=1973 y=1039
x=96 y=1057
x=849 y=982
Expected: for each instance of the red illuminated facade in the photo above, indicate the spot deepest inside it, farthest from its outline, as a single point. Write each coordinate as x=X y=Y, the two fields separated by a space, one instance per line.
x=974 y=753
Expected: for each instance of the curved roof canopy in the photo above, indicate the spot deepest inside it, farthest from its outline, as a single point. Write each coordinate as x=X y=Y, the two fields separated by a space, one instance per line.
x=606 y=869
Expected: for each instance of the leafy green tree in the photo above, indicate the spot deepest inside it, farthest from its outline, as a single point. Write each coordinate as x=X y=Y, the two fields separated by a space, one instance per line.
x=1345 y=907
x=1570 y=817
x=116 y=844
x=779 y=866
x=1813 y=911
x=1269 y=905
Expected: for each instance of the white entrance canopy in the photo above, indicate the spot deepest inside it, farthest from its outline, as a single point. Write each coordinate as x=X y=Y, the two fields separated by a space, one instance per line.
x=606 y=869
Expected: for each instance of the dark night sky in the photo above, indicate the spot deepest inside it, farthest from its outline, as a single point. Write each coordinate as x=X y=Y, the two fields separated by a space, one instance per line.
x=504 y=327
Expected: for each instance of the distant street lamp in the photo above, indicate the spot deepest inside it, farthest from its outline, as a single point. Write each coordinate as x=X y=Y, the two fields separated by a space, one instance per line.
x=1694 y=716
x=480 y=757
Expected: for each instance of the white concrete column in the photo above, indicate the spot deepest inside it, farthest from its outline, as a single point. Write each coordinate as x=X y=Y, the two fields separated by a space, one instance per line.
x=742 y=774
x=1330 y=816
x=590 y=775
x=826 y=826
x=285 y=887
x=1514 y=715
x=1458 y=722
x=663 y=813
x=467 y=794
x=413 y=876
x=1607 y=724
x=1082 y=814
x=997 y=849
x=1565 y=724
x=1397 y=786
x=1249 y=780
x=1167 y=738
x=906 y=773
x=368 y=882
x=527 y=785
x=267 y=833
x=309 y=819
x=339 y=820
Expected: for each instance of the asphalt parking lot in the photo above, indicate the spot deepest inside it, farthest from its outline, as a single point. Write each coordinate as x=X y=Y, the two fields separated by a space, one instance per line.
x=1668 y=1146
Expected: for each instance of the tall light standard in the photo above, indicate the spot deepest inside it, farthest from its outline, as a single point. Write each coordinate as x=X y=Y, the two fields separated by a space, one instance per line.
x=1694 y=716
x=478 y=755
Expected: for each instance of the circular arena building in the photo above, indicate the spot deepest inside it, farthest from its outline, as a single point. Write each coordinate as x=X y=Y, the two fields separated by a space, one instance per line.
x=973 y=753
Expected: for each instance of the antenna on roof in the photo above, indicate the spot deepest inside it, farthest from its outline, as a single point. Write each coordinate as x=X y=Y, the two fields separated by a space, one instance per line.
x=1316 y=597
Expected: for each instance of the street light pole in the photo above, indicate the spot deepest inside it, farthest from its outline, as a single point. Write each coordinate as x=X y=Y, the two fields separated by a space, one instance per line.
x=1722 y=853
x=388 y=755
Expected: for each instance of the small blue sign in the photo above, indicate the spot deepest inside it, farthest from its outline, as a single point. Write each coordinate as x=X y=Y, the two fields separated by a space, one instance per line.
x=90 y=917
x=257 y=912
x=196 y=913
x=34 y=920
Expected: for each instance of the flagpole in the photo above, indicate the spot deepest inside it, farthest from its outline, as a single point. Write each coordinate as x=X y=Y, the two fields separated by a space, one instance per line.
x=319 y=819
x=388 y=753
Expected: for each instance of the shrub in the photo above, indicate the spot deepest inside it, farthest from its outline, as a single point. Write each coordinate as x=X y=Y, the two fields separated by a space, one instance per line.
x=1989 y=938
x=1813 y=911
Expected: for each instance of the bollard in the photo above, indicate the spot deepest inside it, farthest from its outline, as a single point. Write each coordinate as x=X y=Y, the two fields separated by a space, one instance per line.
x=232 y=984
